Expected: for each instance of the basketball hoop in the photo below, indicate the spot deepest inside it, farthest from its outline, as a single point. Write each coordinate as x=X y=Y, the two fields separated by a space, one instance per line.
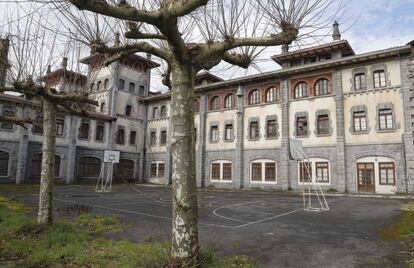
x=310 y=187
x=104 y=184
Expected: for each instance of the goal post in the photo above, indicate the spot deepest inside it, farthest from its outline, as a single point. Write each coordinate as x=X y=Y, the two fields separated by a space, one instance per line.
x=104 y=183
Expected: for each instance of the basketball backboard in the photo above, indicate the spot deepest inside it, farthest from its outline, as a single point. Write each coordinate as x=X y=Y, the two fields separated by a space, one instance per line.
x=111 y=156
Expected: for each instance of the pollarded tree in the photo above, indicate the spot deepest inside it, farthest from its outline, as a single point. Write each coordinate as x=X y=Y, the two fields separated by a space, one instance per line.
x=30 y=51
x=191 y=35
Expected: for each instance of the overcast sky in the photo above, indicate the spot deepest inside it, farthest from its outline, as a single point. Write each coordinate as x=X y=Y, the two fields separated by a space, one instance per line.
x=376 y=24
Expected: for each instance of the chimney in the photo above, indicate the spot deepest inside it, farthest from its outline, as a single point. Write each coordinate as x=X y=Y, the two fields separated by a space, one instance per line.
x=336 y=33
x=285 y=48
x=65 y=63
x=4 y=64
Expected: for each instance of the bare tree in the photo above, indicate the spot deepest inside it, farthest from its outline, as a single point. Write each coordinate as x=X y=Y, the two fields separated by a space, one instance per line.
x=30 y=54
x=191 y=35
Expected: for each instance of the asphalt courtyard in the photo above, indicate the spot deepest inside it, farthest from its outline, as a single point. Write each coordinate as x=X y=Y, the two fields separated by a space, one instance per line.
x=272 y=227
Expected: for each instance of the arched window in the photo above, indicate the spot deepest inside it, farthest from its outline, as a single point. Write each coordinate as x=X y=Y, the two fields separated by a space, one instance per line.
x=89 y=167
x=254 y=97
x=229 y=101
x=272 y=94
x=322 y=87
x=196 y=106
x=301 y=90
x=4 y=163
x=360 y=81
x=215 y=103
x=36 y=166
x=125 y=170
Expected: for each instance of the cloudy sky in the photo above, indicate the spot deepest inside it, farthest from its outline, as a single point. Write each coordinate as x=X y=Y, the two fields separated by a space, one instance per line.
x=368 y=25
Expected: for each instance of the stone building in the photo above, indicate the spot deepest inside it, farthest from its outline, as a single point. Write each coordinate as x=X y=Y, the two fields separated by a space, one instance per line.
x=353 y=113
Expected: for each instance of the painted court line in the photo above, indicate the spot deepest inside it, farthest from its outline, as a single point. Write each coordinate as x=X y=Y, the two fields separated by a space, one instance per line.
x=267 y=219
x=228 y=206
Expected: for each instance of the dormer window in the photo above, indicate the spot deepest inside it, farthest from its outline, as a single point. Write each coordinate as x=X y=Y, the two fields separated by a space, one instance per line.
x=360 y=81
x=322 y=87
x=379 y=79
x=301 y=90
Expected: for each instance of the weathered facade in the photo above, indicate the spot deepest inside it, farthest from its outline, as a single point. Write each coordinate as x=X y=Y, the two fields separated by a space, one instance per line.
x=353 y=113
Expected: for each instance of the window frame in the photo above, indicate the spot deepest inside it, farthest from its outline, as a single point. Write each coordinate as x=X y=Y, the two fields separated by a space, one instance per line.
x=358 y=79
x=325 y=90
x=318 y=166
x=272 y=97
x=163 y=137
x=386 y=168
x=254 y=126
x=120 y=139
x=131 y=87
x=100 y=125
x=263 y=174
x=153 y=138
x=326 y=124
x=299 y=132
x=254 y=97
x=388 y=117
x=121 y=84
x=214 y=134
x=299 y=90
x=228 y=127
x=132 y=137
x=60 y=131
x=128 y=110
x=229 y=101
x=215 y=103
x=360 y=119
x=380 y=78
x=82 y=131
x=219 y=175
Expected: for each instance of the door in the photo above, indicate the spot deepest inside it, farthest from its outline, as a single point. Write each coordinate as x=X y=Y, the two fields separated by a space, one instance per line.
x=366 y=178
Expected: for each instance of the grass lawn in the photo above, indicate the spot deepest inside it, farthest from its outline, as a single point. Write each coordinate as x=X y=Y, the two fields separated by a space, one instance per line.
x=403 y=231
x=79 y=242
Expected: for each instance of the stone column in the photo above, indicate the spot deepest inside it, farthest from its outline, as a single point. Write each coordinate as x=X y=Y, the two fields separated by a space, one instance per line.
x=239 y=165
x=71 y=156
x=201 y=145
x=340 y=178
x=22 y=156
x=407 y=84
x=285 y=153
x=143 y=153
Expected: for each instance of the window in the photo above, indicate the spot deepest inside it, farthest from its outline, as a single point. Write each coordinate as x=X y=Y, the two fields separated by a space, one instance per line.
x=60 y=123
x=305 y=171
x=323 y=124
x=4 y=164
x=106 y=82
x=302 y=126
x=132 y=137
x=92 y=87
x=221 y=170
x=385 y=119
x=196 y=106
x=360 y=121
x=322 y=172
x=228 y=134
x=163 y=137
x=128 y=110
x=9 y=112
x=301 y=90
x=254 y=97
x=132 y=87
x=195 y=135
x=100 y=128
x=214 y=135
x=141 y=91
x=229 y=101
x=153 y=138
x=271 y=129
x=157 y=170
x=99 y=86
x=271 y=94
x=121 y=84
x=36 y=129
x=360 y=81
x=163 y=111
x=125 y=169
x=154 y=112
x=89 y=167
x=254 y=130
x=379 y=79
x=120 y=136
x=102 y=107
x=263 y=171
x=387 y=173
x=322 y=87
x=153 y=170
x=36 y=166
x=161 y=170
x=84 y=130
x=215 y=103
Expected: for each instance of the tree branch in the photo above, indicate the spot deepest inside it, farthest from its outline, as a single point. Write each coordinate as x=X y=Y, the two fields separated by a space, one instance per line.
x=181 y=7
x=240 y=60
x=136 y=34
x=16 y=120
x=124 y=12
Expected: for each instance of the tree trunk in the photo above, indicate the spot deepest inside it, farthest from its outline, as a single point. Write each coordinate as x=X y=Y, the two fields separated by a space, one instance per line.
x=185 y=246
x=48 y=163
